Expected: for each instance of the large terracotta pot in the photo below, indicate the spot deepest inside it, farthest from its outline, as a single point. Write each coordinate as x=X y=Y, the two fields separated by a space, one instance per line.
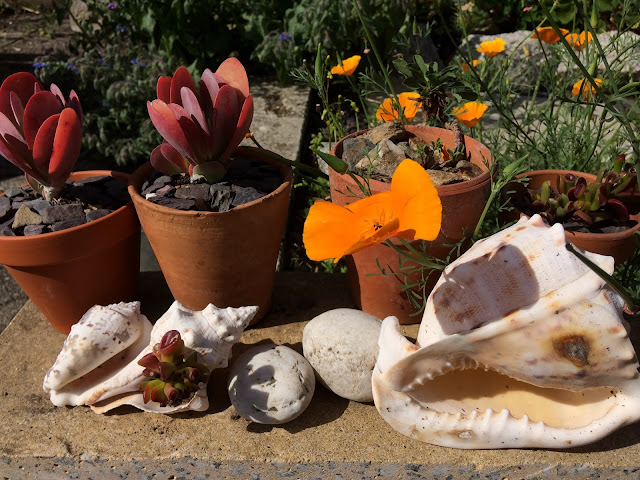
x=462 y=205
x=619 y=245
x=65 y=273
x=224 y=258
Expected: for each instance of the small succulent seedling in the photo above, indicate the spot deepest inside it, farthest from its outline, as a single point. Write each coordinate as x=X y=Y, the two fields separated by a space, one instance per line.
x=201 y=128
x=40 y=131
x=173 y=378
x=612 y=196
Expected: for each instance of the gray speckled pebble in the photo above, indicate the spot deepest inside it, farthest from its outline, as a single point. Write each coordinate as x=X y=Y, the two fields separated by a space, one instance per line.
x=271 y=384
x=342 y=346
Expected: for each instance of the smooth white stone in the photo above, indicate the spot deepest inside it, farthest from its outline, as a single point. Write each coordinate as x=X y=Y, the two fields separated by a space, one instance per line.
x=271 y=384
x=342 y=347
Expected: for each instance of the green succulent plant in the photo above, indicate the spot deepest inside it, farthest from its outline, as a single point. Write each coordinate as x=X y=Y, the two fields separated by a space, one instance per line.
x=172 y=377
x=613 y=196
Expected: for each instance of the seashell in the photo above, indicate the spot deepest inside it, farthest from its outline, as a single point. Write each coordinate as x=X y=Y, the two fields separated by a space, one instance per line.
x=521 y=345
x=98 y=364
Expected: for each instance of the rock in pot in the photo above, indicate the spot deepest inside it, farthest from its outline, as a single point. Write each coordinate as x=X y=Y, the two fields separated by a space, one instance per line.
x=271 y=384
x=342 y=346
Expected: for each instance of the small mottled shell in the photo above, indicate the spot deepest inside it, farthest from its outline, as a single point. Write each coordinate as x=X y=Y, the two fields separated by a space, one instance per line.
x=211 y=332
x=521 y=345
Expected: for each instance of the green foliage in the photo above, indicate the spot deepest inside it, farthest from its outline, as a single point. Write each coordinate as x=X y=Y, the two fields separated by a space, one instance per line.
x=114 y=86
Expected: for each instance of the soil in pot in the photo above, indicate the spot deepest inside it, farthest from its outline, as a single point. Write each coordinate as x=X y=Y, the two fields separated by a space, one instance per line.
x=248 y=179
x=23 y=212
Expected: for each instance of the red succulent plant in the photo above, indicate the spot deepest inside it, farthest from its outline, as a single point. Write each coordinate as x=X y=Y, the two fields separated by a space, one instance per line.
x=201 y=129
x=40 y=131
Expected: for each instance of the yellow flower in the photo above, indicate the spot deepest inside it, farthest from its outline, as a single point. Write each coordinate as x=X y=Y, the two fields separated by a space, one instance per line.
x=578 y=42
x=409 y=103
x=411 y=209
x=474 y=63
x=548 y=34
x=347 y=67
x=469 y=113
x=491 y=47
x=588 y=91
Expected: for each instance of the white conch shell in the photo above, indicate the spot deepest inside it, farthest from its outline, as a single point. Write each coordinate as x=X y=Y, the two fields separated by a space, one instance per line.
x=521 y=345
x=98 y=364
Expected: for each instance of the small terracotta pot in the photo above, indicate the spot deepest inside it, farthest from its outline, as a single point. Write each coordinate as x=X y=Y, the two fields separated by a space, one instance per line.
x=619 y=245
x=224 y=258
x=462 y=205
x=65 y=273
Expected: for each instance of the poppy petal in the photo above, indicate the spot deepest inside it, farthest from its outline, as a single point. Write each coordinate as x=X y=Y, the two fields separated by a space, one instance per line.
x=330 y=230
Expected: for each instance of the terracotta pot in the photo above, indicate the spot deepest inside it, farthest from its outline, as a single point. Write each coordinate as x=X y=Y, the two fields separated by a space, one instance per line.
x=65 y=273
x=224 y=258
x=619 y=245
x=462 y=205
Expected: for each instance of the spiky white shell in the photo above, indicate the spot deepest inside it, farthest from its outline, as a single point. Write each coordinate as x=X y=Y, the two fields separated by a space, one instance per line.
x=97 y=368
x=521 y=345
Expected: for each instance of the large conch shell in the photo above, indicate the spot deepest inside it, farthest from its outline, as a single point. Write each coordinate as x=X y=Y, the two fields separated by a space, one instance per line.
x=98 y=364
x=521 y=345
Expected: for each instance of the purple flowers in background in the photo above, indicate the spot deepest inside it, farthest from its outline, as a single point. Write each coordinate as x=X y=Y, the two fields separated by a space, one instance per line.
x=73 y=68
x=285 y=37
x=134 y=61
x=40 y=65
x=112 y=6
x=120 y=28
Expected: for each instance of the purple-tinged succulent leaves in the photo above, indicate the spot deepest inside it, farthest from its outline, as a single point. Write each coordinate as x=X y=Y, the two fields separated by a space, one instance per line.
x=40 y=131
x=172 y=377
x=204 y=127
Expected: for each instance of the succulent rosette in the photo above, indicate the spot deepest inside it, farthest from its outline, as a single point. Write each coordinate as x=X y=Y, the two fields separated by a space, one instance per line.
x=201 y=129
x=40 y=131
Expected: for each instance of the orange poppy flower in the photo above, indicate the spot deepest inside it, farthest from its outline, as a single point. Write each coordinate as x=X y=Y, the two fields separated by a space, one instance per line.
x=491 y=48
x=548 y=34
x=411 y=209
x=467 y=66
x=578 y=42
x=347 y=67
x=588 y=91
x=409 y=102
x=469 y=113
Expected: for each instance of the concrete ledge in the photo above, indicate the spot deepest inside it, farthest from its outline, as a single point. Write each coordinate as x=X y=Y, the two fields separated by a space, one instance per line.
x=334 y=438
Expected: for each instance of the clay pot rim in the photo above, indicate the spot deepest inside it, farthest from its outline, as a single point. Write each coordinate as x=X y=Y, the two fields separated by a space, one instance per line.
x=137 y=178
x=443 y=190
x=613 y=236
x=120 y=176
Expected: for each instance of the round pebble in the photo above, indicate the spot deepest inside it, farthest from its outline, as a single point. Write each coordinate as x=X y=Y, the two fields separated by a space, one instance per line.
x=271 y=384
x=342 y=346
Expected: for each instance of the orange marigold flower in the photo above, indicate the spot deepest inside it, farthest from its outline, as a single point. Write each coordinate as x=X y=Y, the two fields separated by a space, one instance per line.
x=491 y=47
x=579 y=41
x=409 y=103
x=411 y=209
x=347 y=67
x=587 y=91
x=474 y=63
x=548 y=34
x=469 y=113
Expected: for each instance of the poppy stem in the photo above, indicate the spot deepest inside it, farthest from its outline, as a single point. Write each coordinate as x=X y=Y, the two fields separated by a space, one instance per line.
x=415 y=256
x=375 y=50
x=279 y=158
x=609 y=279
